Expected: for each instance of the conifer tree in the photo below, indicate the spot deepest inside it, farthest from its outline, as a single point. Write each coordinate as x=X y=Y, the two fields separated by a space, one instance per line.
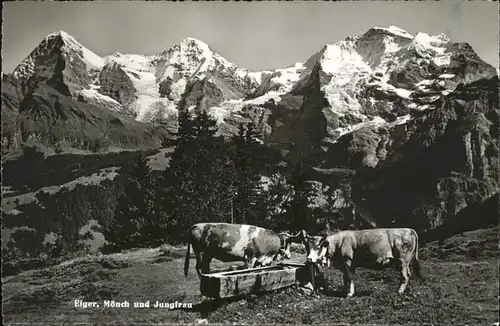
x=303 y=192
x=154 y=224
x=276 y=199
x=175 y=182
x=195 y=186
x=134 y=211
x=247 y=164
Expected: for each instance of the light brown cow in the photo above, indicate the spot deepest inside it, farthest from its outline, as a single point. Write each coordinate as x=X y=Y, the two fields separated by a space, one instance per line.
x=371 y=249
x=236 y=242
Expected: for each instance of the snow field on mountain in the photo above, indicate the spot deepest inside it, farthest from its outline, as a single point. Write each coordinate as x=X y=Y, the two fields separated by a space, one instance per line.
x=93 y=96
x=287 y=77
x=141 y=72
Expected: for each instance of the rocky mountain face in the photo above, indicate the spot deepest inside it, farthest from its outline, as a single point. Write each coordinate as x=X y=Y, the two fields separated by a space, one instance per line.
x=377 y=77
x=426 y=171
x=413 y=118
x=46 y=116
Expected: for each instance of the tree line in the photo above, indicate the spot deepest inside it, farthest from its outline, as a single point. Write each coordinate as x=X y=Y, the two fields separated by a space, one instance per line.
x=208 y=179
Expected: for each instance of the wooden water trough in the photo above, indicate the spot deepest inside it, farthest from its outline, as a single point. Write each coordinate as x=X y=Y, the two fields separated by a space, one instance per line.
x=254 y=280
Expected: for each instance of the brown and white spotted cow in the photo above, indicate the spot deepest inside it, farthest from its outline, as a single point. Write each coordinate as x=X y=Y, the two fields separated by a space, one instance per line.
x=235 y=242
x=371 y=249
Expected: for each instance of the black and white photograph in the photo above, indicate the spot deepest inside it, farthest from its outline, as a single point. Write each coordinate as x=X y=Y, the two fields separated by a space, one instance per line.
x=250 y=162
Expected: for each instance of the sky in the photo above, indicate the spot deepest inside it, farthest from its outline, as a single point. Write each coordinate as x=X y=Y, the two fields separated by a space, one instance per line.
x=253 y=35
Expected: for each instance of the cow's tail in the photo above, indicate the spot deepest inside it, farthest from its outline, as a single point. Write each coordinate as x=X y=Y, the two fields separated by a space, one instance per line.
x=416 y=262
x=186 y=261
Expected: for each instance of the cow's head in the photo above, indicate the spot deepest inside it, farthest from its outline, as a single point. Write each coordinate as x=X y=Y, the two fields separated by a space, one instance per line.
x=284 y=251
x=286 y=241
x=316 y=248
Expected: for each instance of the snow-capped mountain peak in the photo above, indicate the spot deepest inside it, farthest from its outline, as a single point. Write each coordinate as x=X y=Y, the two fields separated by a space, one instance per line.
x=60 y=33
x=394 y=30
x=190 y=48
x=384 y=68
x=194 y=58
x=92 y=60
x=54 y=45
x=191 y=42
x=381 y=69
x=190 y=55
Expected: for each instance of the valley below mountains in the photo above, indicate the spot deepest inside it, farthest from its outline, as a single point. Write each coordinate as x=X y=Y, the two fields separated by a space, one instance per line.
x=401 y=129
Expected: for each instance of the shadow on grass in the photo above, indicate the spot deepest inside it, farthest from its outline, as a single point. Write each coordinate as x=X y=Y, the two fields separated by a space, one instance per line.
x=174 y=252
x=342 y=294
x=110 y=263
x=211 y=305
x=208 y=306
x=163 y=260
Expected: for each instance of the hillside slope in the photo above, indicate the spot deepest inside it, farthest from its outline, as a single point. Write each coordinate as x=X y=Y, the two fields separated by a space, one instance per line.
x=461 y=288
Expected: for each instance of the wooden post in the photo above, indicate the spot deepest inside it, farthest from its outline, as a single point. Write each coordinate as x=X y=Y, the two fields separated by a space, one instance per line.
x=232 y=211
x=312 y=273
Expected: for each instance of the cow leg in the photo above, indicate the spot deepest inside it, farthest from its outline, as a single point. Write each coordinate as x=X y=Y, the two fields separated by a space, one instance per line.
x=349 y=278
x=348 y=285
x=385 y=261
x=405 y=275
x=205 y=263
x=198 y=262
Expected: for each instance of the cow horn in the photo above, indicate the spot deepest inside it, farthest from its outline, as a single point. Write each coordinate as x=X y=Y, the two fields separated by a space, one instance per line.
x=323 y=239
x=304 y=234
x=286 y=234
